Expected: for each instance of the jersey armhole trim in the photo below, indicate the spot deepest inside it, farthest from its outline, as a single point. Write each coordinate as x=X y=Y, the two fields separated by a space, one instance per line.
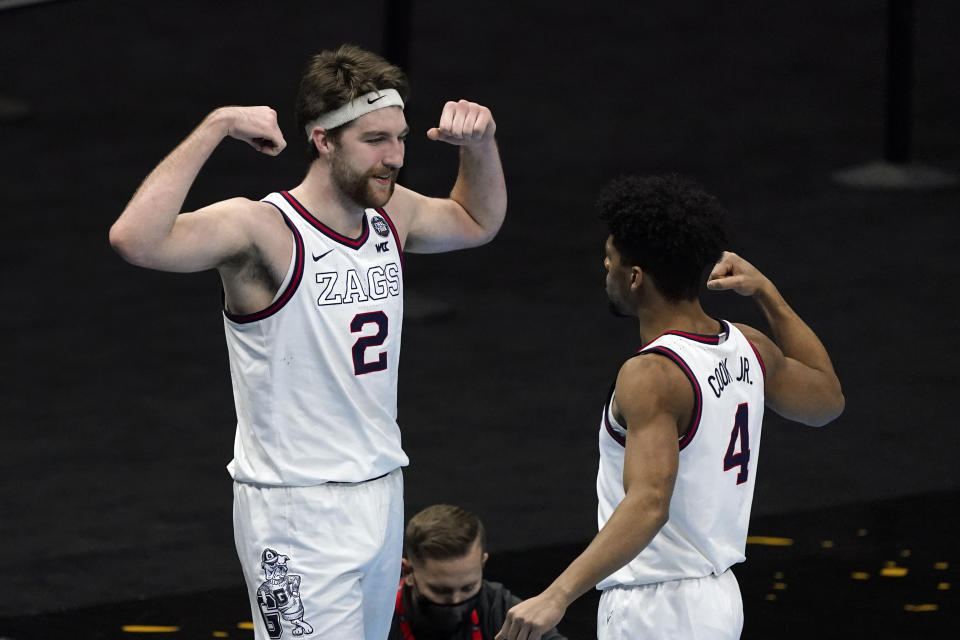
x=396 y=236
x=763 y=367
x=607 y=409
x=291 y=286
x=697 y=397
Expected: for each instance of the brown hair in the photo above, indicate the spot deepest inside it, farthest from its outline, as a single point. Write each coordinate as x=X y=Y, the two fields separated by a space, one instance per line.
x=335 y=77
x=442 y=531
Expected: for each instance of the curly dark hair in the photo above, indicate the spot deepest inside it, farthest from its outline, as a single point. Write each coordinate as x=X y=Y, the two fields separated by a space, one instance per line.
x=335 y=77
x=667 y=225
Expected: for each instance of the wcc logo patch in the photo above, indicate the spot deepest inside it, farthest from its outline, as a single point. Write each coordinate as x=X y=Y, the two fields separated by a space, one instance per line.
x=380 y=226
x=278 y=596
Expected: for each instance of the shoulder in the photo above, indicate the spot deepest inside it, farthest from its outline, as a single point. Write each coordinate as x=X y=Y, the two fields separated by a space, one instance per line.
x=403 y=207
x=244 y=213
x=261 y=234
x=264 y=224
x=749 y=332
x=404 y=202
x=650 y=372
x=650 y=385
x=255 y=211
x=766 y=348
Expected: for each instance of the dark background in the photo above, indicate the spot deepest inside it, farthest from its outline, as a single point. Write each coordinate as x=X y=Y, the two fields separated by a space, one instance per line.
x=117 y=412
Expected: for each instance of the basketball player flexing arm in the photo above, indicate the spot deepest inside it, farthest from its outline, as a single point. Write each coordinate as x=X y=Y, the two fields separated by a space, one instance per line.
x=680 y=431
x=313 y=303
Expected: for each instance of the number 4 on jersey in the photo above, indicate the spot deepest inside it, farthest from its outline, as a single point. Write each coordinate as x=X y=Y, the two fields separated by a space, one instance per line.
x=740 y=433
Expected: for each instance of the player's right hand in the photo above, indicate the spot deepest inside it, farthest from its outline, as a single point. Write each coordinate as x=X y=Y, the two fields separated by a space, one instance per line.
x=530 y=619
x=257 y=126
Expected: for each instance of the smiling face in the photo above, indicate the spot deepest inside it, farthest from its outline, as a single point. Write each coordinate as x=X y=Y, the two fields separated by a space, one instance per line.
x=366 y=158
x=447 y=581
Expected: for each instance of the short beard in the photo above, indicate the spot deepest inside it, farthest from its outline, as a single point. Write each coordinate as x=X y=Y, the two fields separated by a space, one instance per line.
x=356 y=186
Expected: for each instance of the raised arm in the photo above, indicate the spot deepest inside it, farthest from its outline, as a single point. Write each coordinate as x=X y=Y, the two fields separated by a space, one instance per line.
x=473 y=213
x=801 y=384
x=151 y=233
x=652 y=398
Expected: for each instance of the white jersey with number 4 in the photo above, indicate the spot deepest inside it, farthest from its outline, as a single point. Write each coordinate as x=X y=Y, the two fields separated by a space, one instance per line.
x=315 y=373
x=706 y=531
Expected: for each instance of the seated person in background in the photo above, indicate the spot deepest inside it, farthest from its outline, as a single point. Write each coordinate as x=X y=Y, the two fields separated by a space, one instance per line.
x=442 y=594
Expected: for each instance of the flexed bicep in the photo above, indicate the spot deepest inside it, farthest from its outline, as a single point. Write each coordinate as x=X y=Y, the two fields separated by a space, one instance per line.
x=153 y=232
x=474 y=211
x=796 y=390
x=206 y=238
x=801 y=382
x=433 y=225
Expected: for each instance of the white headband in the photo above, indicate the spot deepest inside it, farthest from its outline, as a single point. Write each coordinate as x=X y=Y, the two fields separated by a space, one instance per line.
x=356 y=108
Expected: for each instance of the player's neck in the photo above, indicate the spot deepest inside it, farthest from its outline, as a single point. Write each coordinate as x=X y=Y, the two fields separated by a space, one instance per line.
x=327 y=204
x=687 y=316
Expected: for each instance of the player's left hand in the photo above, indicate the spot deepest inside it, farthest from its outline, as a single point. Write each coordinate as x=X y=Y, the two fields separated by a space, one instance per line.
x=733 y=273
x=464 y=123
x=531 y=618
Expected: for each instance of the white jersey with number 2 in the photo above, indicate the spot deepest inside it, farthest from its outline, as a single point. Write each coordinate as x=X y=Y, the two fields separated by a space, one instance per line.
x=710 y=509
x=315 y=373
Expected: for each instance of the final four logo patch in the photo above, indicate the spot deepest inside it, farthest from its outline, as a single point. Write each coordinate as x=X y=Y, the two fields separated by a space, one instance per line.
x=380 y=226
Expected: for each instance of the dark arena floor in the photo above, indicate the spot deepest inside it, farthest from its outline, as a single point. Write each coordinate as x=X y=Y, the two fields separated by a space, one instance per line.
x=116 y=406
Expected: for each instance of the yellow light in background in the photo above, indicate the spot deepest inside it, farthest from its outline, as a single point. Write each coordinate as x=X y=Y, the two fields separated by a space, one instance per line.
x=770 y=541
x=920 y=608
x=146 y=628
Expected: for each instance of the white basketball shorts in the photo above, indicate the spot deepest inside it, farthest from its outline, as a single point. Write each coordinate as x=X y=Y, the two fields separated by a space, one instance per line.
x=707 y=608
x=321 y=561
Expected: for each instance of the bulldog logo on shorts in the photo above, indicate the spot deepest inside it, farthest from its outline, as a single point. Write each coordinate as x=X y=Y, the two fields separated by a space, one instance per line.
x=279 y=596
x=380 y=226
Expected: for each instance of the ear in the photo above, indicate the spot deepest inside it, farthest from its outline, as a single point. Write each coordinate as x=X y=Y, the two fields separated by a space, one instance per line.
x=320 y=139
x=484 y=560
x=406 y=572
x=636 y=278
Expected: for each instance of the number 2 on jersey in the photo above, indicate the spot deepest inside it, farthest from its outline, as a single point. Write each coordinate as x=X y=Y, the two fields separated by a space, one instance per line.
x=740 y=433
x=360 y=365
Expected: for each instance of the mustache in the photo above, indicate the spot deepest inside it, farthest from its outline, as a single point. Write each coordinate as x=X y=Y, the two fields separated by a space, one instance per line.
x=383 y=170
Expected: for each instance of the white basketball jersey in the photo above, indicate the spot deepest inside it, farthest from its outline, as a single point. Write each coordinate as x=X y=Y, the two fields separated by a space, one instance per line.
x=315 y=373
x=706 y=531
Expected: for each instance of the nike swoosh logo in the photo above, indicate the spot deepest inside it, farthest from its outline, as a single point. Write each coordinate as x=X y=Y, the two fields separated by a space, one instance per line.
x=317 y=257
x=372 y=100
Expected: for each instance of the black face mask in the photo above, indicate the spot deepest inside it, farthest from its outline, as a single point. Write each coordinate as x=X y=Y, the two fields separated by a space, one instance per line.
x=445 y=618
